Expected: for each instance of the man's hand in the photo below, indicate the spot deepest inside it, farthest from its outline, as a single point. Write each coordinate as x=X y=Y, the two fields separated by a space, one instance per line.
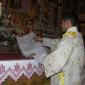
x=38 y=39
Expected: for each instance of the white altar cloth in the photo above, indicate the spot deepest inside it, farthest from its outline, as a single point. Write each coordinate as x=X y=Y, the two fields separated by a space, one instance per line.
x=15 y=69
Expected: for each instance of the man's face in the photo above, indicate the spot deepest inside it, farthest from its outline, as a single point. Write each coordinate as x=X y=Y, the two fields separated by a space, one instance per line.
x=65 y=24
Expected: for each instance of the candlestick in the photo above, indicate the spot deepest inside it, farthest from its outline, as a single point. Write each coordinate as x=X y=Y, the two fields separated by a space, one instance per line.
x=0 y=9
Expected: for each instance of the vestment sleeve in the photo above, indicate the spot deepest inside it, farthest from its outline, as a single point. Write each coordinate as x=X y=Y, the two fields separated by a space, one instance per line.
x=55 y=61
x=52 y=43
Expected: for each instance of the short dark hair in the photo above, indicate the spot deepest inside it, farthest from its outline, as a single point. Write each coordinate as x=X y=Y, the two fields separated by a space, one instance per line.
x=73 y=17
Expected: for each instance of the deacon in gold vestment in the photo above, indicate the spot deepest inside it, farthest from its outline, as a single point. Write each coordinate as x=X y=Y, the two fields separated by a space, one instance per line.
x=65 y=63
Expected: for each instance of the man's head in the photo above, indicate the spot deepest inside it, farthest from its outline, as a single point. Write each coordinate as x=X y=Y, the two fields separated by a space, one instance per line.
x=69 y=19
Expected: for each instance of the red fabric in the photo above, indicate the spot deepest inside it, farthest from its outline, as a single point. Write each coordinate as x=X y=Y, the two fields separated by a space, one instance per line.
x=12 y=56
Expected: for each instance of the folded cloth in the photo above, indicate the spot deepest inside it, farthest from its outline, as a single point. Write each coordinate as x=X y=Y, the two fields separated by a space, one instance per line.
x=28 y=47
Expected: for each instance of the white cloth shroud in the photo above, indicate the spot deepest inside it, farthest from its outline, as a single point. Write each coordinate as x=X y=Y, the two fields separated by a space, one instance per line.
x=28 y=46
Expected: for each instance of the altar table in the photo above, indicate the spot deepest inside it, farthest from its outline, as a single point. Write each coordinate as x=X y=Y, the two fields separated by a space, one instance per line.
x=15 y=66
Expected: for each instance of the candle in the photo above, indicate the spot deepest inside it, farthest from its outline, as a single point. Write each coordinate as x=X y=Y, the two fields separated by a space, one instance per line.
x=0 y=9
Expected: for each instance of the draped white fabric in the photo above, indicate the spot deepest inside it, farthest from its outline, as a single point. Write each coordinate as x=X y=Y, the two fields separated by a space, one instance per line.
x=15 y=69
